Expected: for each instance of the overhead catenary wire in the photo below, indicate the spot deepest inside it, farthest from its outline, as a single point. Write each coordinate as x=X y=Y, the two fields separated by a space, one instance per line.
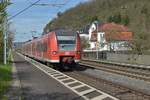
x=33 y=4
x=55 y=4
x=20 y=12
x=64 y=4
x=42 y=4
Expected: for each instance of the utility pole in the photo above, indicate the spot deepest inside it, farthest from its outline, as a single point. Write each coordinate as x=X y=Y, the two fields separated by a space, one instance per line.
x=5 y=39
x=97 y=45
x=5 y=36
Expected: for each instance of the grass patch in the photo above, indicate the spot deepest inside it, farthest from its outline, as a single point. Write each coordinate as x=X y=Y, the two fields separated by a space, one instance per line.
x=5 y=78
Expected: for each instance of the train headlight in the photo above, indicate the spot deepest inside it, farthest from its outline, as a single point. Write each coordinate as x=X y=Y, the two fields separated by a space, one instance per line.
x=54 y=52
x=78 y=52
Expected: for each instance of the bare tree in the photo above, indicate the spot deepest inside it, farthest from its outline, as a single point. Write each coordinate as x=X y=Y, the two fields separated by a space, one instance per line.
x=140 y=43
x=84 y=43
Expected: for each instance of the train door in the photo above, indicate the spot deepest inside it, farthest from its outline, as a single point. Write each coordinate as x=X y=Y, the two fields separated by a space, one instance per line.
x=44 y=47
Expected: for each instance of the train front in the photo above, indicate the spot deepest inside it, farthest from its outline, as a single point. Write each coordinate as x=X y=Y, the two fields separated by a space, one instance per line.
x=69 y=47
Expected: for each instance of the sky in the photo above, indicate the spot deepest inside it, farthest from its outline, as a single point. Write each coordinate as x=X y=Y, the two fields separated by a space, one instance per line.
x=35 y=18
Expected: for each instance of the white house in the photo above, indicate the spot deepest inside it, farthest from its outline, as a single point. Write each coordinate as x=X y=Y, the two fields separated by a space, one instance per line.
x=109 y=36
x=99 y=41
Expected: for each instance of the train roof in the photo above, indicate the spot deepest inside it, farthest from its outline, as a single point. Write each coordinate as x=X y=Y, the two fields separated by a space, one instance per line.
x=60 y=32
x=65 y=33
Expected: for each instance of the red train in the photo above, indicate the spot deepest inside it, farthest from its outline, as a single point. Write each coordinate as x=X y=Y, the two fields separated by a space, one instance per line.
x=57 y=47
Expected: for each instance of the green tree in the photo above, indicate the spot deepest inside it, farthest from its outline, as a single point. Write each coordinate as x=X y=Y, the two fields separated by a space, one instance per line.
x=3 y=15
x=59 y=14
x=115 y=18
x=125 y=20
x=94 y=18
x=110 y=19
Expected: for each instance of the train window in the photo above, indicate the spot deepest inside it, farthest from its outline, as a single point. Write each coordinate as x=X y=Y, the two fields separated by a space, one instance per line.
x=44 y=47
x=66 y=41
x=41 y=47
x=66 y=37
x=38 y=47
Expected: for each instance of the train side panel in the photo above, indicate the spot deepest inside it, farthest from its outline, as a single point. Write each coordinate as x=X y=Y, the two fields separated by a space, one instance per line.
x=78 y=49
x=53 y=49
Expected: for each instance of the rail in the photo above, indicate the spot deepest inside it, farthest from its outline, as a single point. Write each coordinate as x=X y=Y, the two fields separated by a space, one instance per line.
x=133 y=72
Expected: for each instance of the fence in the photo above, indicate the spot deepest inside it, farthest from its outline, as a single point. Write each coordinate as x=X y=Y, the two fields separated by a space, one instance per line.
x=118 y=57
x=94 y=54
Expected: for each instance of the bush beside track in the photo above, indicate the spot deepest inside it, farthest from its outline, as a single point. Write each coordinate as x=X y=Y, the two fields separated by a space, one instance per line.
x=5 y=79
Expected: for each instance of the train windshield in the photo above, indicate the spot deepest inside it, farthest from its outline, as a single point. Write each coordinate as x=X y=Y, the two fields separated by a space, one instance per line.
x=66 y=43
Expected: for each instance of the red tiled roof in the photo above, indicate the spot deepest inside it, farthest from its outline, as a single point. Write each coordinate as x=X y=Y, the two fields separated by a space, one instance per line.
x=119 y=36
x=113 y=32
x=113 y=27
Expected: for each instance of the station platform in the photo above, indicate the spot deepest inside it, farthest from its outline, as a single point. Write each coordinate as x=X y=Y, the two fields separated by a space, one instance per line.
x=40 y=82
x=36 y=85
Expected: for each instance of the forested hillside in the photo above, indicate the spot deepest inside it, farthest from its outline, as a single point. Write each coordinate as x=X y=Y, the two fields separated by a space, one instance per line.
x=133 y=13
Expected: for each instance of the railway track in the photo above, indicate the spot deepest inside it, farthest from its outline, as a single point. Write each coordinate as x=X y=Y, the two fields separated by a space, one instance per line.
x=137 y=73
x=119 y=91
